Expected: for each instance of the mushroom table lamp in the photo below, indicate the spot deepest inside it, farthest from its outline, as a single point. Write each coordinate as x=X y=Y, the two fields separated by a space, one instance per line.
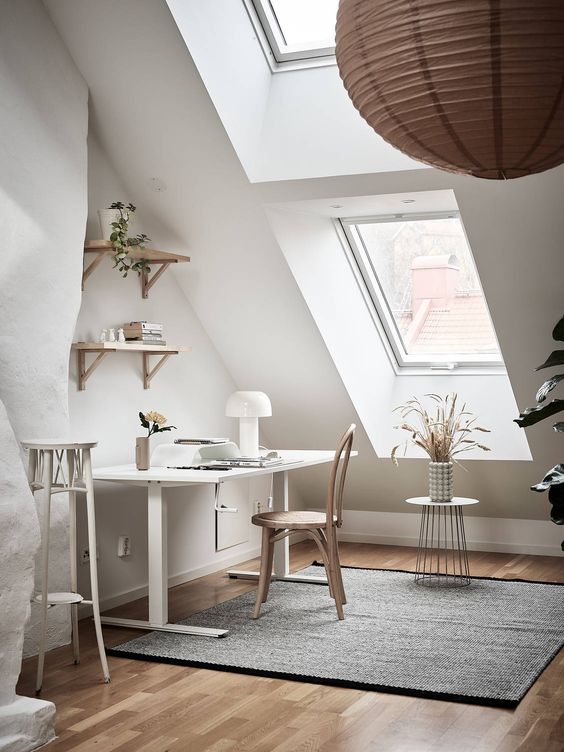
x=248 y=407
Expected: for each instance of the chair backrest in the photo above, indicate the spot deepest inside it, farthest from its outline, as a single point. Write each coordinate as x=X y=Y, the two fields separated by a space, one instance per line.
x=337 y=477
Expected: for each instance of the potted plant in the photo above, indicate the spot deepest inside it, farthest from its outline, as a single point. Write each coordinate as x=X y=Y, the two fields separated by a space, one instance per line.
x=122 y=243
x=553 y=480
x=142 y=443
x=443 y=432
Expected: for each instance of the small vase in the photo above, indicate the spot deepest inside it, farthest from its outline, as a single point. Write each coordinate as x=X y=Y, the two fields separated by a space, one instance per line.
x=142 y=452
x=440 y=481
x=107 y=216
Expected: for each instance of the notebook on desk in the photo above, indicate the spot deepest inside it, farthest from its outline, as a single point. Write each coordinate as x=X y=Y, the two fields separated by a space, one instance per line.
x=201 y=441
x=247 y=462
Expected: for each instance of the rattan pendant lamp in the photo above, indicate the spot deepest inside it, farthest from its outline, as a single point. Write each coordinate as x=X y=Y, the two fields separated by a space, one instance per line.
x=468 y=86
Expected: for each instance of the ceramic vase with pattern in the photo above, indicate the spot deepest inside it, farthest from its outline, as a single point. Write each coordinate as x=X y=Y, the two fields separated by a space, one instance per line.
x=440 y=481
x=142 y=452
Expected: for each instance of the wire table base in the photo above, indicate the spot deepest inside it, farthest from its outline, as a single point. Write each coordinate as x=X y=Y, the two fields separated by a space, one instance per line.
x=442 y=555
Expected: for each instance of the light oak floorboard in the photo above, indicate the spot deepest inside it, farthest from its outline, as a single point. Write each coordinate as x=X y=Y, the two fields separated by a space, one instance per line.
x=152 y=707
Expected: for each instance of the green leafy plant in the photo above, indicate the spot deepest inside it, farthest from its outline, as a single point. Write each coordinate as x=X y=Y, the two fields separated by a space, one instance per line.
x=122 y=243
x=157 y=420
x=443 y=432
x=553 y=480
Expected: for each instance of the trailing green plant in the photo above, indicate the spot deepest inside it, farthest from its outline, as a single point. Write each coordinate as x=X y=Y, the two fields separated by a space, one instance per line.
x=122 y=243
x=443 y=432
x=553 y=480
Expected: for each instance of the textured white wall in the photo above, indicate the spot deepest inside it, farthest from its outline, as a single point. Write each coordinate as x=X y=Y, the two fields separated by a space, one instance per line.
x=43 y=120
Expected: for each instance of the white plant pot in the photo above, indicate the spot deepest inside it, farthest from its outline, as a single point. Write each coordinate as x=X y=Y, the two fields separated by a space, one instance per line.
x=107 y=216
x=441 y=475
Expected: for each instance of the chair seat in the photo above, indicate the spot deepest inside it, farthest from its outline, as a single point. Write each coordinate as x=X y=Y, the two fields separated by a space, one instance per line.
x=294 y=520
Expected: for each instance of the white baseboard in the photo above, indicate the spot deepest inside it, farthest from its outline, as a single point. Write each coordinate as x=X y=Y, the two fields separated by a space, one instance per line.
x=538 y=537
x=177 y=579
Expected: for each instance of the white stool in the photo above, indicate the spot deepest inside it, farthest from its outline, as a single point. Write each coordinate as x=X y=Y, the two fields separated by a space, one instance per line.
x=51 y=471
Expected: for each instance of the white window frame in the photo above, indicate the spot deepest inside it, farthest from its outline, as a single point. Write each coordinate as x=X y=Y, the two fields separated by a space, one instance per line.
x=279 y=55
x=377 y=302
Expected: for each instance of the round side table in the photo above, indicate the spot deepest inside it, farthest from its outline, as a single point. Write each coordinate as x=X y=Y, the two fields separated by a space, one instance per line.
x=442 y=556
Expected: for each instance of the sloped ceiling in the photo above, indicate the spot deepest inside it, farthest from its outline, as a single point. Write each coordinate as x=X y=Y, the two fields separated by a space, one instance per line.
x=154 y=118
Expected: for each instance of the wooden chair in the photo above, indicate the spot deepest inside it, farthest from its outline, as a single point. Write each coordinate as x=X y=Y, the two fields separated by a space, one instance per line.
x=322 y=527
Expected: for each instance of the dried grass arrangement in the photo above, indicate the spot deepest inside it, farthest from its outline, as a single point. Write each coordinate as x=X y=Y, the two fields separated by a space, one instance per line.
x=443 y=432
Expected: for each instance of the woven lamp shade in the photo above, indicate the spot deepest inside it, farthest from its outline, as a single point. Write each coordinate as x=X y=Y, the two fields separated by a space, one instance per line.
x=469 y=86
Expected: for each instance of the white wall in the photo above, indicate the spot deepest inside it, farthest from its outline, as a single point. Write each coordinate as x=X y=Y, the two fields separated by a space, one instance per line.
x=242 y=288
x=314 y=250
x=291 y=125
x=43 y=120
x=191 y=391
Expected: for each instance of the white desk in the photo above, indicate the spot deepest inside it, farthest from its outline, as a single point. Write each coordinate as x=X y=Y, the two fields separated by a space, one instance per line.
x=158 y=478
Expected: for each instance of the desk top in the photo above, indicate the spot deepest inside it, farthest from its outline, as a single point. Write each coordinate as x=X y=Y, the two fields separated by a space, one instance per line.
x=293 y=460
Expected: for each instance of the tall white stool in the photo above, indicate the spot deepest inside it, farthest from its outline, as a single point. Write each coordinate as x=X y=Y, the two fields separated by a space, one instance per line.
x=65 y=467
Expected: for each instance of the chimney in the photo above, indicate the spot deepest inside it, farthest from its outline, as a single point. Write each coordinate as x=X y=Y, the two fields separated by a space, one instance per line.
x=433 y=281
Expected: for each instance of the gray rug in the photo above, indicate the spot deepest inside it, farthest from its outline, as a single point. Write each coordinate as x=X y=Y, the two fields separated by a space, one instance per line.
x=485 y=643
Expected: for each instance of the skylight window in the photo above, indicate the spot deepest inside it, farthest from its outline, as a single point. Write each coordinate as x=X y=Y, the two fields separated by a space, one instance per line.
x=298 y=30
x=419 y=274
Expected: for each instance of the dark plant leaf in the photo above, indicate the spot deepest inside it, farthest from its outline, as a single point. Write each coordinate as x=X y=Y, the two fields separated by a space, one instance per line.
x=166 y=428
x=554 y=477
x=558 y=331
x=548 y=386
x=533 y=415
x=556 y=358
x=556 y=498
x=559 y=427
x=144 y=422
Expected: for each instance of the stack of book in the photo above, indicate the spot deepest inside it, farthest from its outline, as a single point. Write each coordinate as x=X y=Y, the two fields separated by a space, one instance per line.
x=144 y=331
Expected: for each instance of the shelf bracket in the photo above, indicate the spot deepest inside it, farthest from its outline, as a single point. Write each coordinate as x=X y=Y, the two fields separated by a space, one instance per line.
x=90 y=268
x=147 y=282
x=148 y=373
x=83 y=372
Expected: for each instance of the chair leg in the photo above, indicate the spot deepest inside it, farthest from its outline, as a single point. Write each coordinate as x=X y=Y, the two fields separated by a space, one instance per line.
x=269 y=565
x=325 y=551
x=338 y=567
x=48 y=480
x=337 y=592
x=264 y=574
x=87 y=469
x=324 y=544
x=72 y=549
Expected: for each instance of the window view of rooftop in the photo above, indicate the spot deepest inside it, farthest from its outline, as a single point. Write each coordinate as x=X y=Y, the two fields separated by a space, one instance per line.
x=422 y=279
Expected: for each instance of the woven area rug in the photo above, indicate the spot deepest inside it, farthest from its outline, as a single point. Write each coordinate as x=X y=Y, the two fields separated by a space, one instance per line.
x=485 y=643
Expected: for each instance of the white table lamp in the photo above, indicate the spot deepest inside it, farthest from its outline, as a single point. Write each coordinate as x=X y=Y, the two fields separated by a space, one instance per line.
x=248 y=407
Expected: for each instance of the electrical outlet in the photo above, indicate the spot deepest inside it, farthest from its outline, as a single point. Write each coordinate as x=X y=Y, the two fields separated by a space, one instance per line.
x=259 y=506
x=85 y=556
x=124 y=546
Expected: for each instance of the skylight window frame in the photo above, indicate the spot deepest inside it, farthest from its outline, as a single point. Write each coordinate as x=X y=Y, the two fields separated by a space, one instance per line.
x=280 y=55
x=375 y=298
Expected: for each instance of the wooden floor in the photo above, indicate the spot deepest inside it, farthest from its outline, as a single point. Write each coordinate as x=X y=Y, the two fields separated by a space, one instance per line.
x=152 y=707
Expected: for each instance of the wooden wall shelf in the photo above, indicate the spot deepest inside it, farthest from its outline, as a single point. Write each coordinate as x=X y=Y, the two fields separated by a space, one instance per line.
x=102 y=248
x=104 y=348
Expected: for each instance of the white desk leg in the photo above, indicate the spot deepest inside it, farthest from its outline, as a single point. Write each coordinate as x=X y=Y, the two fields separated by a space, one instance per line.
x=281 y=548
x=280 y=504
x=158 y=575
x=158 y=555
